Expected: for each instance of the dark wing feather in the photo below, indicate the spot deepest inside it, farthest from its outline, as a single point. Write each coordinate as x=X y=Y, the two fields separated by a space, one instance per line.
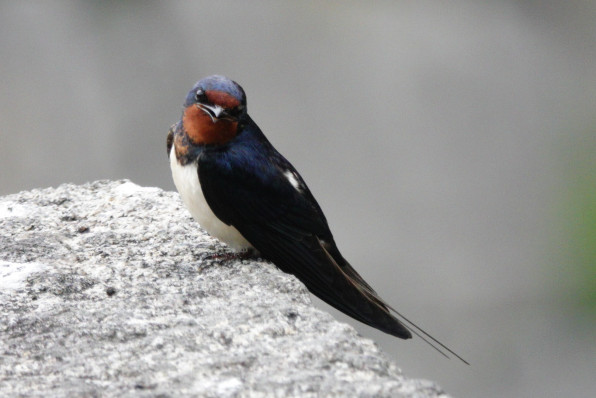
x=170 y=138
x=245 y=186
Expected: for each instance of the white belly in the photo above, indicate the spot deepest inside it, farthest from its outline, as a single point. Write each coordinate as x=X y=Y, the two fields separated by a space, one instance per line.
x=186 y=179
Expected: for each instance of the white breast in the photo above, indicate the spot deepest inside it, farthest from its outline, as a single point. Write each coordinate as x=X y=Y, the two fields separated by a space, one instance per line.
x=186 y=179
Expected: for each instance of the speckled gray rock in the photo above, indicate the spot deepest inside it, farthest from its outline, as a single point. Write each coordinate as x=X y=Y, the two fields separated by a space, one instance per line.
x=111 y=289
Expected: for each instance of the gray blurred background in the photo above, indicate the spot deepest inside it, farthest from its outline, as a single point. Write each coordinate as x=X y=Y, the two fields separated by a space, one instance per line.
x=451 y=144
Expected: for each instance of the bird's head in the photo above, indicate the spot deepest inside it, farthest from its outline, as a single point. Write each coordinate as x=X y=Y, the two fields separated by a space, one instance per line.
x=213 y=110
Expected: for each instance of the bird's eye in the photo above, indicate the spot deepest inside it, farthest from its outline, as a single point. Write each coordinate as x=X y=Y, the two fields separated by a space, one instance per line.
x=235 y=112
x=201 y=97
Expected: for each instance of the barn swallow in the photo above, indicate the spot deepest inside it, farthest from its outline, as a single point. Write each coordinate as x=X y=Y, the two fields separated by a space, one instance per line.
x=243 y=192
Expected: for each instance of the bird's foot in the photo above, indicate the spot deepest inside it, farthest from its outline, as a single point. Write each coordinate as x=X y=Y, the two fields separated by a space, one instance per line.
x=228 y=256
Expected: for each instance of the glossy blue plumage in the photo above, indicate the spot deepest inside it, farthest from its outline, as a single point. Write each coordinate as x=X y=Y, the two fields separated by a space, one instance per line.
x=247 y=184
x=216 y=83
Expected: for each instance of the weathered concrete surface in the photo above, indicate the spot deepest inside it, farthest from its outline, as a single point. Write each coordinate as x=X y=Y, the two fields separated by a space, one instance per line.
x=111 y=289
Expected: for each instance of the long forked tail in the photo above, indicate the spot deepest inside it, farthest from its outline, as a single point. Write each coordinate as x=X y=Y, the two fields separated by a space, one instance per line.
x=371 y=296
x=427 y=338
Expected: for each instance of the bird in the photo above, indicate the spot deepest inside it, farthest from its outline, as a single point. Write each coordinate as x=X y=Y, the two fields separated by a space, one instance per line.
x=242 y=191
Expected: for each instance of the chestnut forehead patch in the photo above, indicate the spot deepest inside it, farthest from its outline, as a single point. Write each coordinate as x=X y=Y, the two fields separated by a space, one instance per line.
x=225 y=100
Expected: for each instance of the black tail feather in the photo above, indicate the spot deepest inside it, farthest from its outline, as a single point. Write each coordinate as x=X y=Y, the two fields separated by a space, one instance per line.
x=427 y=338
